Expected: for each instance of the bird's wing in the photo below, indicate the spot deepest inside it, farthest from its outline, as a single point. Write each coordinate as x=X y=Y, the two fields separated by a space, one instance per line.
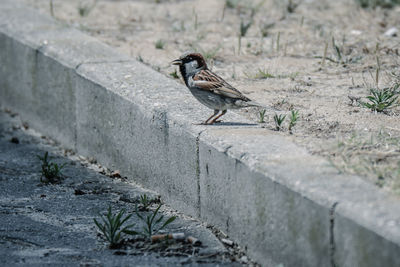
x=208 y=81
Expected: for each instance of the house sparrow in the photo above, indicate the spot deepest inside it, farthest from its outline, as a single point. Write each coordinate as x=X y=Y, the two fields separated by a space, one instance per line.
x=208 y=88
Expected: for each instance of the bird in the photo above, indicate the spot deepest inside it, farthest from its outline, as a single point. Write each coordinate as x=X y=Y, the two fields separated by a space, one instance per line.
x=210 y=89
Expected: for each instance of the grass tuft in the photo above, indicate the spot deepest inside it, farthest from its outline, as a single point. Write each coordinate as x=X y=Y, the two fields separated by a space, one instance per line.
x=153 y=222
x=262 y=116
x=51 y=172
x=381 y=100
x=112 y=228
x=263 y=74
x=279 y=119
x=244 y=27
x=145 y=202
x=294 y=115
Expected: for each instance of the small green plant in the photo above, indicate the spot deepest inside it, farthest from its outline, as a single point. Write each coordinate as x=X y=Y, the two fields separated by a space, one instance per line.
x=294 y=115
x=278 y=121
x=51 y=172
x=84 y=9
x=112 y=229
x=262 y=116
x=263 y=74
x=153 y=223
x=146 y=201
x=337 y=50
x=244 y=27
x=160 y=44
x=174 y=75
x=381 y=100
x=340 y=59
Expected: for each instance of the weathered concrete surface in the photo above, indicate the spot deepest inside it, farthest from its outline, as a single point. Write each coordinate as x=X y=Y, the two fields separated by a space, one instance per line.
x=141 y=142
x=52 y=225
x=267 y=193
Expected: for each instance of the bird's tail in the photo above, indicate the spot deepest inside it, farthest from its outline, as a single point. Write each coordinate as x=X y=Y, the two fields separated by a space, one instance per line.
x=252 y=103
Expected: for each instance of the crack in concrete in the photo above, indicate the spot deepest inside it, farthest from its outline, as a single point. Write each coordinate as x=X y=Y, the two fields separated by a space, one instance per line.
x=41 y=50
x=198 y=172
x=163 y=117
x=332 y=246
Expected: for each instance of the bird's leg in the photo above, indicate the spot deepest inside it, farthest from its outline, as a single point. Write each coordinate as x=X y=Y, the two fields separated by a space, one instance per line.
x=215 y=113
x=219 y=116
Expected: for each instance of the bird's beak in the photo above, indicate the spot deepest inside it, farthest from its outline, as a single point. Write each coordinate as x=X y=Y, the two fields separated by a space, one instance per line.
x=176 y=62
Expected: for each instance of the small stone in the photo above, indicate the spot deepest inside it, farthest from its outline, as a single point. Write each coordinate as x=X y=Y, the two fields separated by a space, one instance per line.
x=79 y=192
x=227 y=242
x=356 y=32
x=244 y=259
x=392 y=32
x=116 y=174
x=14 y=140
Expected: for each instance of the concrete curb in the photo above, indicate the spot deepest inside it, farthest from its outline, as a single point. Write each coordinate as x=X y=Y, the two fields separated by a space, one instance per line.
x=265 y=192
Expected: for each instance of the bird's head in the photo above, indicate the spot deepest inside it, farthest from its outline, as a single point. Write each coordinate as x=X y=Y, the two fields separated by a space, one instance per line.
x=190 y=62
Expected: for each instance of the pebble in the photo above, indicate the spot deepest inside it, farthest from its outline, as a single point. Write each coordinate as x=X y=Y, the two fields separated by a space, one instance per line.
x=244 y=259
x=392 y=32
x=14 y=140
x=227 y=241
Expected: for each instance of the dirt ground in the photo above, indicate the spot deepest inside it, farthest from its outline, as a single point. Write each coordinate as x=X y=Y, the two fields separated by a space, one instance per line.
x=286 y=59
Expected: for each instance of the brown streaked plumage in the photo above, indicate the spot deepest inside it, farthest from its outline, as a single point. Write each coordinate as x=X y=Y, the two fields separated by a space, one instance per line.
x=210 y=89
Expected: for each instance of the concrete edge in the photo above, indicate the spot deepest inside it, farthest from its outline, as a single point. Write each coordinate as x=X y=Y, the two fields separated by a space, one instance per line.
x=265 y=192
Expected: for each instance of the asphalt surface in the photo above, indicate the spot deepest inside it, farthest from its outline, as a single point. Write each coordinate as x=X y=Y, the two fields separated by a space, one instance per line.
x=52 y=224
